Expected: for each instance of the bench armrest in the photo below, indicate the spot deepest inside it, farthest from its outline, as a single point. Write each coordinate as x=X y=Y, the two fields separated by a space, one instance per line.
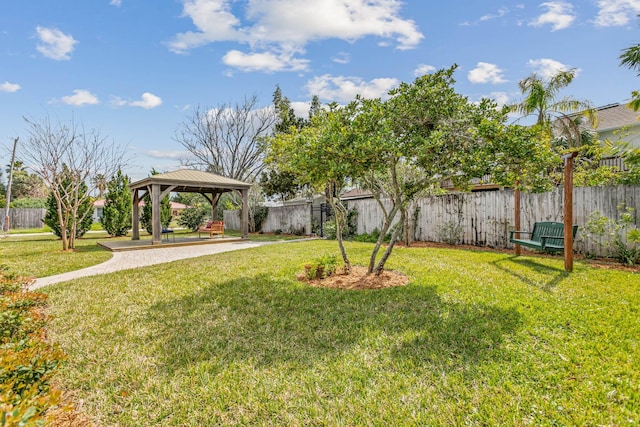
x=512 y=232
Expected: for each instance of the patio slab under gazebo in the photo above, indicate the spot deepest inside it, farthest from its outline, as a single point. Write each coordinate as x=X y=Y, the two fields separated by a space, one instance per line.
x=210 y=185
x=143 y=244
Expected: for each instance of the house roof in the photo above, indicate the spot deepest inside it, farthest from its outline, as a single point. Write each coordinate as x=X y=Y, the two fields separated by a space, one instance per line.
x=196 y=181
x=616 y=116
x=356 y=193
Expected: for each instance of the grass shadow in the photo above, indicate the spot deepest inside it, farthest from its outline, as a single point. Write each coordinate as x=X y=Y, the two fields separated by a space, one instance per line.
x=265 y=322
x=555 y=275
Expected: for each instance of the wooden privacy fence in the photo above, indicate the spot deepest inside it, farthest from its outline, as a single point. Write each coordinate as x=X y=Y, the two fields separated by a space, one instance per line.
x=25 y=218
x=485 y=218
x=294 y=219
x=480 y=218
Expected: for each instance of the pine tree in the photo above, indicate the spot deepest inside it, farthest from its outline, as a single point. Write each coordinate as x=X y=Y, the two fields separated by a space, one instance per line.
x=116 y=217
x=51 y=218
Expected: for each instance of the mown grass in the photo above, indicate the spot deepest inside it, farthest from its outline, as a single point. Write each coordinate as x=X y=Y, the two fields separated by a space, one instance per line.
x=476 y=338
x=42 y=255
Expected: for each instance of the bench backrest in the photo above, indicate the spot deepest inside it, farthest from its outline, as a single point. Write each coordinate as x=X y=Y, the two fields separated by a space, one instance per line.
x=555 y=229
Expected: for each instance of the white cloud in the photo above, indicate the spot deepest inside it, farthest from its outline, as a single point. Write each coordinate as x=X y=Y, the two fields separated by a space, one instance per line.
x=54 y=44
x=271 y=27
x=9 y=87
x=342 y=58
x=301 y=109
x=268 y=61
x=616 y=12
x=172 y=155
x=501 y=12
x=116 y=101
x=423 y=69
x=345 y=89
x=559 y=15
x=116 y=3
x=546 y=67
x=80 y=97
x=148 y=101
x=502 y=98
x=486 y=73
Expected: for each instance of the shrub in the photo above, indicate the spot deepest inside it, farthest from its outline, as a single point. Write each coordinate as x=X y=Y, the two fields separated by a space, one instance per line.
x=322 y=267
x=29 y=203
x=26 y=360
x=193 y=217
x=619 y=239
x=451 y=233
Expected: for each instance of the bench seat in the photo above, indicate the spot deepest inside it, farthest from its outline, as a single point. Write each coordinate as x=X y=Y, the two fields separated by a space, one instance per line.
x=545 y=236
x=212 y=227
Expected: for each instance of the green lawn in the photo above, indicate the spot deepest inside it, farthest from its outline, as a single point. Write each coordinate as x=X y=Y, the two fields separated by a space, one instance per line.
x=42 y=255
x=476 y=338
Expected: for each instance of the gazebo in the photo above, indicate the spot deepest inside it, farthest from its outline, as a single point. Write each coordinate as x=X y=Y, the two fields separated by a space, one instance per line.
x=211 y=186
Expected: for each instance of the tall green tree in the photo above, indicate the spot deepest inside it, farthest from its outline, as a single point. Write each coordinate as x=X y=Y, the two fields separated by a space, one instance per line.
x=116 y=215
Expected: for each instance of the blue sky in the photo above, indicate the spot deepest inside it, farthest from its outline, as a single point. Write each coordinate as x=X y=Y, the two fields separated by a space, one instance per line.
x=134 y=70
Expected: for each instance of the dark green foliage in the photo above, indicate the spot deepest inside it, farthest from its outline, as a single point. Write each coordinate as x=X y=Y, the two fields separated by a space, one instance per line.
x=29 y=203
x=116 y=216
x=282 y=185
x=165 y=213
x=259 y=216
x=286 y=117
x=85 y=209
x=193 y=217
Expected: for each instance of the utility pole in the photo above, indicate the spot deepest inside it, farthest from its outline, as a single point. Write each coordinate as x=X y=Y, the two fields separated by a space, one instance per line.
x=13 y=159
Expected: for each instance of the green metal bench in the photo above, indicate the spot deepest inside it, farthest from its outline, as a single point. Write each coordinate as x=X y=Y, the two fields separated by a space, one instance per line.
x=546 y=236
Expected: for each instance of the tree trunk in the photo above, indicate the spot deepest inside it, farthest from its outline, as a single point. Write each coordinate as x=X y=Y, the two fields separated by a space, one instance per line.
x=385 y=228
x=340 y=214
x=387 y=253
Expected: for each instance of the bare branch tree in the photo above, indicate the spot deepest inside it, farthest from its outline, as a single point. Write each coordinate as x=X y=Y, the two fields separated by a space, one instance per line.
x=64 y=151
x=228 y=140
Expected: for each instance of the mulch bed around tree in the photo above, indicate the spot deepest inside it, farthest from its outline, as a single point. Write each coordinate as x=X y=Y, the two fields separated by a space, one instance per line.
x=358 y=279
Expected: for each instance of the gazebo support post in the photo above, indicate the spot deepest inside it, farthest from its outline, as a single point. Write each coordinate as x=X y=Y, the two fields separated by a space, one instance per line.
x=568 y=210
x=245 y=214
x=135 y=216
x=156 y=225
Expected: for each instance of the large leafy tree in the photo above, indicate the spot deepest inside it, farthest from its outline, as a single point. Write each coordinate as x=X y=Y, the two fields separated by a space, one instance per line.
x=116 y=217
x=423 y=134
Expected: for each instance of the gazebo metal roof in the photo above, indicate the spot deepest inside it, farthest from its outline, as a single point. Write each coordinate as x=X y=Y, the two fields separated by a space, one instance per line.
x=186 y=181
x=192 y=181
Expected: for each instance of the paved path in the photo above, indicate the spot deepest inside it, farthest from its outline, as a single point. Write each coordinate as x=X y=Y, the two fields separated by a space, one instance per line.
x=142 y=258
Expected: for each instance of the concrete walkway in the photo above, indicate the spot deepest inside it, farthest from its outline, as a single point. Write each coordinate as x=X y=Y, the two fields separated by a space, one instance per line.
x=143 y=258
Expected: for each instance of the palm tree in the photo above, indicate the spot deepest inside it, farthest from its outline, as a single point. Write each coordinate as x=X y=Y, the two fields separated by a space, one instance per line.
x=630 y=58
x=557 y=116
x=100 y=183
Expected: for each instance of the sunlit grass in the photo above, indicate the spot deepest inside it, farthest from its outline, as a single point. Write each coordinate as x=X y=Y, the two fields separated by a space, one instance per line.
x=476 y=338
x=42 y=255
